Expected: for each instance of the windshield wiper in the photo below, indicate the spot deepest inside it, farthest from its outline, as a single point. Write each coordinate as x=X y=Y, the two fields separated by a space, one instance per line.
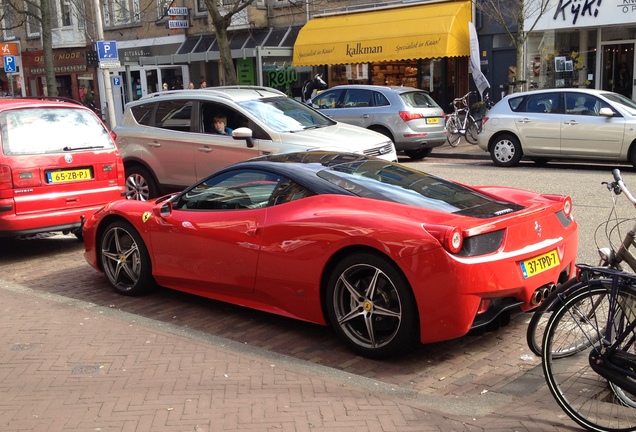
x=314 y=127
x=67 y=148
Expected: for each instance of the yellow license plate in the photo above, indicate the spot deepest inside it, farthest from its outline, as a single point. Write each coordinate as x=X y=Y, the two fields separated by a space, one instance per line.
x=433 y=120
x=69 y=175
x=539 y=264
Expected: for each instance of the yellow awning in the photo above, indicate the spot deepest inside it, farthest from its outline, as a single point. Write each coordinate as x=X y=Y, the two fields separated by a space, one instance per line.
x=412 y=32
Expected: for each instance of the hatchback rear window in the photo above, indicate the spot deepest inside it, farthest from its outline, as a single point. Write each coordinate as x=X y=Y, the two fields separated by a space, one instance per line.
x=418 y=100
x=51 y=130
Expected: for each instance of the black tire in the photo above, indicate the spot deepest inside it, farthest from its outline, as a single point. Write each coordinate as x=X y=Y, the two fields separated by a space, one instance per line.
x=472 y=131
x=584 y=395
x=418 y=154
x=540 y=317
x=452 y=131
x=125 y=260
x=140 y=184
x=505 y=151
x=371 y=306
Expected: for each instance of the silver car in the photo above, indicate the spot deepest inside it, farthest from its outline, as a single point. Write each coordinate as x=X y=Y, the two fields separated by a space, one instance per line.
x=568 y=123
x=409 y=116
x=168 y=140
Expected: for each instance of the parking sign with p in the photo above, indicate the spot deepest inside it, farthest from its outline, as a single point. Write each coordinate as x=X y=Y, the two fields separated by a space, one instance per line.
x=9 y=64
x=106 y=50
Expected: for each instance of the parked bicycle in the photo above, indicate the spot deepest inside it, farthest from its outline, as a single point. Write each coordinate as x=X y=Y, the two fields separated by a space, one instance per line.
x=589 y=347
x=465 y=121
x=461 y=123
x=613 y=256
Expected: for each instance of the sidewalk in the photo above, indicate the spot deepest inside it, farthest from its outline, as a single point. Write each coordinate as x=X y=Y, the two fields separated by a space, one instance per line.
x=70 y=365
x=463 y=151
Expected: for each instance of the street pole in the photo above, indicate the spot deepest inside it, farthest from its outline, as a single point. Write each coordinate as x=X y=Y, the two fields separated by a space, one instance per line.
x=110 y=103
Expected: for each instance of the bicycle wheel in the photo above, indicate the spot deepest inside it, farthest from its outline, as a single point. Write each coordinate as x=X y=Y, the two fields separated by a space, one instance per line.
x=453 y=127
x=585 y=396
x=473 y=129
x=540 y=317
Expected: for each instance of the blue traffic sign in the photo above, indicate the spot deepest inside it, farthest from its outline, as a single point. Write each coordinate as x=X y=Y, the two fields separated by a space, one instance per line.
x=106 y=50
x=116 y=81
x=9 y=64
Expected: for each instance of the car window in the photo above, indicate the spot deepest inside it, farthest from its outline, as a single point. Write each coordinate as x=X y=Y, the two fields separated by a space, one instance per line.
x=418 y=100
x=284 y=114
x=241 y=189
x=380 y=100
x=51 y=130
x=581 y=104
x=174 y=115
x=542 y=103
x=143 y=113
x=625 y=102
x=515 y=103
x=355 y=98
x=397 y=183
x=327 y=99
x=209 y=110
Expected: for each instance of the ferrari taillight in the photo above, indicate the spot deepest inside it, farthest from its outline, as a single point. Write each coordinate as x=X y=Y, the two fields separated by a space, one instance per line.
x=451 y=238
x=567 y=206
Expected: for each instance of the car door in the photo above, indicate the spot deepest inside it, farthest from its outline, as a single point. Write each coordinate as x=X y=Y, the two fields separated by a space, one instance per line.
x=212 y=151
x=586 y=133
x=538 y=123
x=212 y=238
x=357 y=108
x=168 y=147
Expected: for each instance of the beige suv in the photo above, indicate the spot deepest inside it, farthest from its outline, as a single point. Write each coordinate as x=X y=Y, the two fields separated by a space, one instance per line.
x=167 y=139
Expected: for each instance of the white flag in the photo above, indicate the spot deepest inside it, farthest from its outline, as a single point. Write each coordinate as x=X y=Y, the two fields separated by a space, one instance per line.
x=475 y=63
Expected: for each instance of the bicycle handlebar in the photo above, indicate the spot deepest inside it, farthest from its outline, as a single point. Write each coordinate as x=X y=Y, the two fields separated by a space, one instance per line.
x=618 y=185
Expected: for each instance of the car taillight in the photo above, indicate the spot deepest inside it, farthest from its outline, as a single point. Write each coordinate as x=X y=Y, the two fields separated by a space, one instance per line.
x=566 y=200
x=408 y=115
x=450 y=238
x=6 y=182
x=484 y=120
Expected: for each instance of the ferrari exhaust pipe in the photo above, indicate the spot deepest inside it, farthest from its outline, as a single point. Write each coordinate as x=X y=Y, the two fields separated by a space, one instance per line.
x=540 y=294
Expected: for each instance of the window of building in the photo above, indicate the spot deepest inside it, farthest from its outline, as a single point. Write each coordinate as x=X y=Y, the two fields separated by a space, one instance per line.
x=8 y=22
x=33 y=24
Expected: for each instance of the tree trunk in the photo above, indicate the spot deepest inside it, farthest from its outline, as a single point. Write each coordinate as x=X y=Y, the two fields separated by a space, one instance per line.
x=225 y=53
x=47 y=47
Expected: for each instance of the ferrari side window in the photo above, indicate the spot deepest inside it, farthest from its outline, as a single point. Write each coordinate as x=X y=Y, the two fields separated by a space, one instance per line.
x=233 y=190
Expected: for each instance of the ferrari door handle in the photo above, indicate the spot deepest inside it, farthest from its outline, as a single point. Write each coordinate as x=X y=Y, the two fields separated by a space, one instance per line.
x=205 y=149
x=252 y=232
x=154 y=144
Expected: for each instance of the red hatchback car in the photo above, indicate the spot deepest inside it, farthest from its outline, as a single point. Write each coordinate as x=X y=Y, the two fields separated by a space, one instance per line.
x=58 y=165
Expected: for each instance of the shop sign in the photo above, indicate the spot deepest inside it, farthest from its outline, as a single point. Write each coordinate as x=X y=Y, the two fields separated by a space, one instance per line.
x=59 y=69
x=564 y=14
x=282 y=77
x=9 y=48
x=245 y=71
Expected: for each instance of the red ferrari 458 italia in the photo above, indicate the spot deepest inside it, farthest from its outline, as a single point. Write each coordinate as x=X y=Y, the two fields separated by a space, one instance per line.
x=386 y=254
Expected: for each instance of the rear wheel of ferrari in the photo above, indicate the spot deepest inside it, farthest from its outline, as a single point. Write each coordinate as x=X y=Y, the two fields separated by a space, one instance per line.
x=125 y=259
x=371 y=306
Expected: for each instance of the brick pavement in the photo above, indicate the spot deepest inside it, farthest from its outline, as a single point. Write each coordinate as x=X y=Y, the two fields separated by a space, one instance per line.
x=78 y=357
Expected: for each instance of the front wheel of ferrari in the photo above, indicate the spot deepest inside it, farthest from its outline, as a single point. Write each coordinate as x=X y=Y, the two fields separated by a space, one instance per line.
x=371 y=306
x=125 y=259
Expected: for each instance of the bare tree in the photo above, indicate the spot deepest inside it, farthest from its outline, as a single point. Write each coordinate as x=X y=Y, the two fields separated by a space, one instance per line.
x=221 y=15
x=512 y=15
x=15 y=14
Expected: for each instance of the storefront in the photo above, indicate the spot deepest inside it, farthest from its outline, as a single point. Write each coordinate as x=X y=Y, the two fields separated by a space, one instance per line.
x=588 y=45
x=74 y=74
x=262 y=57
x=424 y=46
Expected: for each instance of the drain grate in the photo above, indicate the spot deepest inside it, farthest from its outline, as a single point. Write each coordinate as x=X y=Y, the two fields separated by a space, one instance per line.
x=85 y=370
x=23 y=346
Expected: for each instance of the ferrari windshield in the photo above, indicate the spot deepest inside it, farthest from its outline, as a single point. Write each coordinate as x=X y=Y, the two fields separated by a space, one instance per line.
x=393 y=182
x=285 y=114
